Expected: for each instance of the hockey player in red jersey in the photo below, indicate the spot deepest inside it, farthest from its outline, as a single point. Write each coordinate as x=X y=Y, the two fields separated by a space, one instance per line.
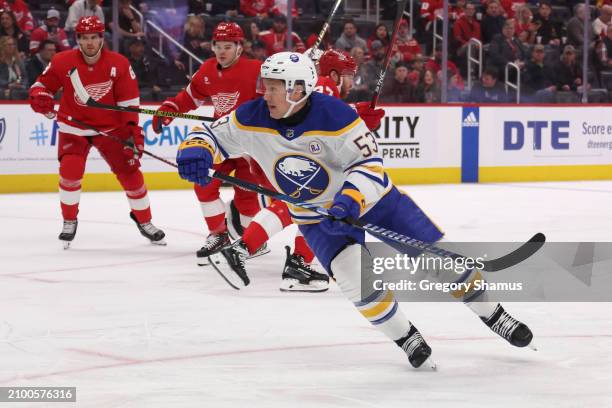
x=228 y=80
x=109 y=79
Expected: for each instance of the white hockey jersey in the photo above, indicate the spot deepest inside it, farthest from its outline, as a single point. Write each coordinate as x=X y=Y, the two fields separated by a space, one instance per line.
x=330 y=150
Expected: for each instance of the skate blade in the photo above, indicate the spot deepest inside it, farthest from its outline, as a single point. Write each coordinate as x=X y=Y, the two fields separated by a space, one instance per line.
x=427 y=365
x=66 y=244
x=218 y=262
x=259 y=253
x=532 y=346
x=293 y=285
x=161 y=242
x=203 y=261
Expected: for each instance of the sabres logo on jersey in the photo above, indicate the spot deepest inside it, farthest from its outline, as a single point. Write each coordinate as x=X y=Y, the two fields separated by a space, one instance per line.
x=301 y=177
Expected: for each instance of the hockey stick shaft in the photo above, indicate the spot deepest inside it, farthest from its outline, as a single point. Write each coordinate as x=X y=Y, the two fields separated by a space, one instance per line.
x=511 y=259
x=325 y=27
x=401 y=5
x=91 y=102
x=115 y=138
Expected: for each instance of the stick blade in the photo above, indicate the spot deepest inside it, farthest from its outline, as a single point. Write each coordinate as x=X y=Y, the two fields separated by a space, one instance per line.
x=80 y=90
x=518 y=255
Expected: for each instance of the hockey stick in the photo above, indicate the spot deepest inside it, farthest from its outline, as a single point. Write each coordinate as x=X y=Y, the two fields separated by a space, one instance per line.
x=324 y=29
x=91 y=102
x=401 y=5
x=401 y=241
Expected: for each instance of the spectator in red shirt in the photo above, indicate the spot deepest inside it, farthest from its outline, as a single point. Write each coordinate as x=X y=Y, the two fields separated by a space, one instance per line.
x=276 y=38
x=457 y=11
x=381 y=34
x=25 y=21
x=406 y=45
x=524 y=27
x=435 y=64
x=466 y=28
x=49 y=31
x=256 y=8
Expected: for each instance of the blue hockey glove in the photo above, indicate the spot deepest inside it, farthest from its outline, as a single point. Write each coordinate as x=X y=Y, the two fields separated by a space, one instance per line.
x=347 y=204
x=194 y=159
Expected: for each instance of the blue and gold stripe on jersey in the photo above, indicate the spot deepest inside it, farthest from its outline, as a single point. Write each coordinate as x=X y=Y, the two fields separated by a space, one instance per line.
x=328 y=116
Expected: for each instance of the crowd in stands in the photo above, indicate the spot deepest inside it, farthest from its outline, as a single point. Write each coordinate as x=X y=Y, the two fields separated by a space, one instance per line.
x=543 y=39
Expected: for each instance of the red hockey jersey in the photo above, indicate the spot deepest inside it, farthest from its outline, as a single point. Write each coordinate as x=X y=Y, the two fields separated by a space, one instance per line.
x=111 y=81
x=327 y=86
x=228 y=88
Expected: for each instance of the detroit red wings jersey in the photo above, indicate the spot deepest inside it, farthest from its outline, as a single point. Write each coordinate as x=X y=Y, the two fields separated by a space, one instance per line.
x=227 y=88
x=327 y=86
x=111 y=81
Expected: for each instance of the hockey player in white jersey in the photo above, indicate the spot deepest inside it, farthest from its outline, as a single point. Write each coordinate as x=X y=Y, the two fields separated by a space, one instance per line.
x=316 y=149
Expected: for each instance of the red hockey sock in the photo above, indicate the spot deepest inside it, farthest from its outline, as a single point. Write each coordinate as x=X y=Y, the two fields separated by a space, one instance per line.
x=136 y=192
x=302 y=249
x=71 y=172
x=254 y=237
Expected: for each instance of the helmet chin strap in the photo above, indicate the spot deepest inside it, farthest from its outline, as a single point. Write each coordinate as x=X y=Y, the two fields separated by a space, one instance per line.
x=96 y=55
x=292 y=104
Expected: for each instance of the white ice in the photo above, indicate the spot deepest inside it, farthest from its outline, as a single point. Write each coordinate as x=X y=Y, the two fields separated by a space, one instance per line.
x=135 y=325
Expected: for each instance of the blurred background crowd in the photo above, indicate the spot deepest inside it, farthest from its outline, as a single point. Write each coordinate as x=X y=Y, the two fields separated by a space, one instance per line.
x=504 y=51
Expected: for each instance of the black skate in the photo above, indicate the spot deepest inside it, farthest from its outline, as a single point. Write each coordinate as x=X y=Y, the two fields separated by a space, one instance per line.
x=507 y=327
x=214 y=243
x=150 y=231
x=229 y=263
x=232 y=219
x=298 y=276
x=68 y=232
x=415 y=347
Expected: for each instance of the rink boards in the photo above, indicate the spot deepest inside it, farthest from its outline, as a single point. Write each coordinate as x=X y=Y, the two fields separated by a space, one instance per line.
x=420 y=144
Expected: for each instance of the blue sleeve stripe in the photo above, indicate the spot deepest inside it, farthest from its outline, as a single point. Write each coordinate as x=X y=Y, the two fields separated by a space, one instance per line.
x=212 y=135
x=374 y=160
x=375 y=179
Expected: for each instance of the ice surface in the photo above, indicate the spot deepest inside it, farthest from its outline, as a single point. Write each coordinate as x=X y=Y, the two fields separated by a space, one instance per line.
x=135 y=325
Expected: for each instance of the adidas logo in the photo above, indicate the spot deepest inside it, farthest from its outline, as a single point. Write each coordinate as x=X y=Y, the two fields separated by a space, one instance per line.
x=470 y=120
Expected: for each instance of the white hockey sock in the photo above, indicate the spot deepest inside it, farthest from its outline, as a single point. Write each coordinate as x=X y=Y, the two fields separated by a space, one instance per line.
x=379 y=307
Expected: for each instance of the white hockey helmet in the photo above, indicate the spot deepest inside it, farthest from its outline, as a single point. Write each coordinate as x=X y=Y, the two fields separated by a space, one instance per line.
x=294 y=69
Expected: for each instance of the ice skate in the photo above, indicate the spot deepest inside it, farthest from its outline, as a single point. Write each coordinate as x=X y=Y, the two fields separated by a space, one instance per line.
x=150 y=231
x=232 y=219
x=298 y=276
x=507 y=327
x=229 y=263
x=68 y=232
x=214 y=242
x=235 y=229
x=417 y=350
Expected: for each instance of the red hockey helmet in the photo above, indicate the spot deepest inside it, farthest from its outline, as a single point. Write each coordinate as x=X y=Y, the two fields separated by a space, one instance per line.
x=336 y=60
x=228 y=32
x=89 y=25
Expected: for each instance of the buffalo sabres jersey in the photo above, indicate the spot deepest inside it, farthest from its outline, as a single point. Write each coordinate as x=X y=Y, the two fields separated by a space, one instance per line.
x=330 y=150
